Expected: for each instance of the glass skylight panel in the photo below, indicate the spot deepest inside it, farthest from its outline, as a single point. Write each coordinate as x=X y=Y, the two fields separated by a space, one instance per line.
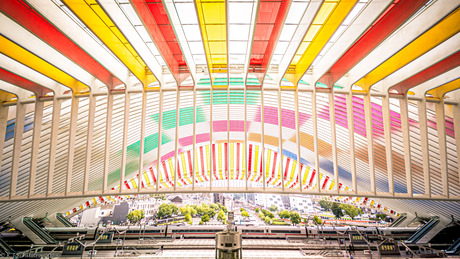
x=236 y=59
x=143 y=33
x=192 y=32
x=196 y=48
x=131 y=14
x=287 y=32
x=354 y=13
x=281 y=47
x=186 y=12
x=237 y=47
x=240 y=16
x=238 y=32
x=240 y=13
x=295 y=12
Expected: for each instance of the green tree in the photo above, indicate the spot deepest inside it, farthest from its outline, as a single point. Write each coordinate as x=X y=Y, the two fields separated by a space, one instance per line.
x=201 y=222
x=214 y=207
x=380 y=216
x=245 y=214
x=267 y=220
x=221 y=215
x=284 y=214
x=270 y=215
x=317 y=220
x=351 y=210
x=336 y=210
x=193 y=211
x=184 y=210
x=295 y=218
x=165 y=210
x=242 y=209
x=257 y=210
x=188 y=218
x=205 y=218
x=261 y=215
x=325 y=204
x=224 y=209
x=135 y=216
x=273 y=208
x=224 y=221
x=211 y=213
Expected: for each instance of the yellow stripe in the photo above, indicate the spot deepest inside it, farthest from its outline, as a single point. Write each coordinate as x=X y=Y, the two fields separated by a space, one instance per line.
x=212 y=19
x=439 y=92
x=332 y=185
x=99 y=22
x=326 y=22
x=294 y=164
x=184 y=168
x=25 y=57
x=305 y=175
x=134 y=183
x=256 y=157
x=446 y=28
x=267 y=169
x=147 y=180
x=197 y=169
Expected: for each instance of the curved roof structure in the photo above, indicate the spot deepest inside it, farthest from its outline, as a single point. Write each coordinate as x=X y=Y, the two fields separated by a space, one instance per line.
x=354 y=99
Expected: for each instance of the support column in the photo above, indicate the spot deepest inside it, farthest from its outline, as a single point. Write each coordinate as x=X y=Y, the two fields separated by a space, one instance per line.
x=334 y=138
x=18 y=134
x=406 y=143
x=124 y=145
x=38 y=120
x=71 y=145
x=108 y=133
x=263 y=135
x=388 y=145
x=315 y=138
x=423 y=124
x=211 y=155
x=160 y=132
x=351 y=137
x=442 y=139
x=142 y=141
x=245 y=154
x=194 y=140
x=280 y=143
x=456 y=117
x=89 y=140
x=370 y=140
x=176 y=141
x=53 y=143
x=3 y=124
x=297 y=126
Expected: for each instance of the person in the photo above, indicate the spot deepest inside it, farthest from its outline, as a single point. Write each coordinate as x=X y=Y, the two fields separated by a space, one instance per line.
x=351 y=256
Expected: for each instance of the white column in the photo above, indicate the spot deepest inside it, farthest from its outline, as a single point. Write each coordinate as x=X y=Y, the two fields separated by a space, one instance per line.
x=334 y=138
x=71 y=145
x=53 y=143
x=351 y=136
x=388 y=145
x=456 y=117
x=160 y=132
x=315 y=138
x=176 y=140
x=228 y=132
x=194 y=139
x=406 y=143
x=263 y=135
x=297 y=126
x=124 y=145
x=280 y=143
x=370 y=141
x=442 y=139
x=211 y=173
x=142 y=143
x=422 y=118
x=89 y=140
x=38 y=118
x=3 y=124
x=108 y=132
x=18 y=134
x=245 y=155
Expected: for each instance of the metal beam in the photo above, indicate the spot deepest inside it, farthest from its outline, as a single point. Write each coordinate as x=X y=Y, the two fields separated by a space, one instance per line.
x=38 y=121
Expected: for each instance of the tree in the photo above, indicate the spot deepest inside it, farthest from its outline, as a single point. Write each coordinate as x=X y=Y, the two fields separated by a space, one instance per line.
x=273 y=208
x=201 y=222
x=242 y=209
x=295 y=218
x=284 y=214
x=214 y=206
x=336 y=210
x=211 y=213
x=261 y=215
x=224 y=221
x=224 y=209
x=205 y=218
x=164 y=211
x=317 y=220
x=188 y=218
x=245 y=214
x=135 y=216
x=270 y=215
x=351 y=210
x=267 y=220
x=325 y=204
x=184 y=210
x=193 y=211
x=380 y=216
x=221 y=215
x=257 y=210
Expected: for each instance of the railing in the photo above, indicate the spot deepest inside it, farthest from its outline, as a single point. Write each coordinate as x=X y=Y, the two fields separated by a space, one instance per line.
x=423 y=231
x=454 y=248
x=63 y=220
x=5 y=248
x=398 y=221
x=29 y=223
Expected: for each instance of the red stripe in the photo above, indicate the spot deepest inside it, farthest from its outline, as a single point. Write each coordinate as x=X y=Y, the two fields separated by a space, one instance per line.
x=374 y=36
x=311 y=179
x=274 y=164
x=14 y=79
x=214 y=154
x=325 y=182
x=165 y=171
x=286 y=168
x=249 y=161
x=226 y=160
x=152 y=173
x=36 y=24
x=190 y=165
